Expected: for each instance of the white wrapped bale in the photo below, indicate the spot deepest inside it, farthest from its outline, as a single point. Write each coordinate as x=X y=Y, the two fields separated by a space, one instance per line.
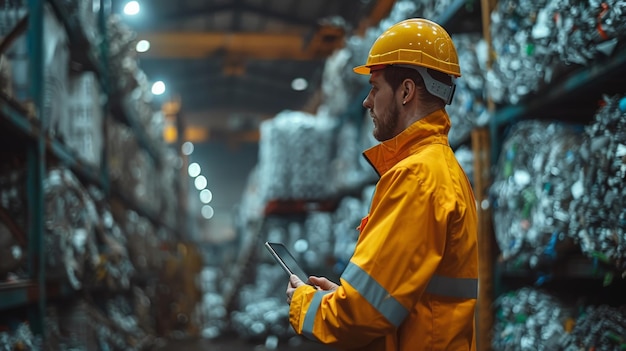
x=294 y=157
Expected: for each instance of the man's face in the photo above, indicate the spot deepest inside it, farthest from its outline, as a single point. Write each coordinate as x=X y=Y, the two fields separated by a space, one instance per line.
x=383 y=107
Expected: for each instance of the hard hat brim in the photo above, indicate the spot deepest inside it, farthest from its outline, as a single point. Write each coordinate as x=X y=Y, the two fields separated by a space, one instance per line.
x=363 y=69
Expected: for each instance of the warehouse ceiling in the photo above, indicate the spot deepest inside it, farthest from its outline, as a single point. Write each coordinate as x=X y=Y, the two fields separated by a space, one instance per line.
x=232 y=62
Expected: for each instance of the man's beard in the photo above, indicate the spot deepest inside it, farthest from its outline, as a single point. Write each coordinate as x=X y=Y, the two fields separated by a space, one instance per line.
x=385 y=125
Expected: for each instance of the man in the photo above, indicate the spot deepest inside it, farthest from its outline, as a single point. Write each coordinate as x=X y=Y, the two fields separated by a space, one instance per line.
x=412 y=281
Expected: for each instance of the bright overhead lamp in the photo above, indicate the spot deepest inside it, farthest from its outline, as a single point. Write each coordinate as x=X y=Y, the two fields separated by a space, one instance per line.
x=194 y=170
x=142 y=46
x=187 y=148
x=132 y=8
x=299 y=84
x=207 y=212
x=200 y=182
x=158 y=88
x=206 y=196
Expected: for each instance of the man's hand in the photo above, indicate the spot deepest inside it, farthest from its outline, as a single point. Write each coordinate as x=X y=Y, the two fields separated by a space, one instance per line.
x=323 y=284
x=320 y=283
x=294 y=283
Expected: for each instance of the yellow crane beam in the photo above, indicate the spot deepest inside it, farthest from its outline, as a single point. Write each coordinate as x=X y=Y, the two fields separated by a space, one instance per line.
x=267 y=46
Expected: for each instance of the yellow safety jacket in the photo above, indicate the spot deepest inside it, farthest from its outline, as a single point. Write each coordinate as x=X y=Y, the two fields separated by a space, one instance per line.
x=413 y=279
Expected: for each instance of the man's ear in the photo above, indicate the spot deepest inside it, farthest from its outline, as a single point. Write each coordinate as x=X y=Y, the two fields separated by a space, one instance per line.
x=408 y=89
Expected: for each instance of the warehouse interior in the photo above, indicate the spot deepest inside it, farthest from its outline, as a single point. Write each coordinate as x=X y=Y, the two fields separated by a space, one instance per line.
x=133 y=218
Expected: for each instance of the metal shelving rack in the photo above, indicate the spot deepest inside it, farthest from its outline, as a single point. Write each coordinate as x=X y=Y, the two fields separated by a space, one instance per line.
x=580 y=87
x=29 y=129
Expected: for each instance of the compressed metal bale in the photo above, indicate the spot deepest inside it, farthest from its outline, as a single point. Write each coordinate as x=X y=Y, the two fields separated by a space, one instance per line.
x=20 y=337
x=537 y=41
x=587 y=30
x=601 y=328
x=70 y=220
x=294 y=157
x=529 y=319
x=538 y=169
x=601 y=215
x=524 y=62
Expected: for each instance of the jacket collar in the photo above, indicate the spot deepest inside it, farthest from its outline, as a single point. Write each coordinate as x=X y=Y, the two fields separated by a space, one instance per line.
x=432 y=129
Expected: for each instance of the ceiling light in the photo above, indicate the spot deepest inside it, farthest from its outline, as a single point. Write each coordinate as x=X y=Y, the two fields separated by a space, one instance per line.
x=187 y=148
x=206 y=196
x=142 y=46
x=207 y=212
x=158 y=88
x=193 y=170
x=299 y=84
x=131 y=8
x=200 y=182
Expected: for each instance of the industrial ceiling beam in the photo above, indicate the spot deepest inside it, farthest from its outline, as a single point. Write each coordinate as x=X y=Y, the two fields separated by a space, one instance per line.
x=262 y=11
x=246 y=45
x=260 y=46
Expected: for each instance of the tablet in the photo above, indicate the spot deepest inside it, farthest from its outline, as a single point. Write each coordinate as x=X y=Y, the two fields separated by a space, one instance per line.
x=286 y=260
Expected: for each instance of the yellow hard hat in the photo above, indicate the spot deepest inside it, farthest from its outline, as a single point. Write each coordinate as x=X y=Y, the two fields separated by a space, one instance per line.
x=417 y=42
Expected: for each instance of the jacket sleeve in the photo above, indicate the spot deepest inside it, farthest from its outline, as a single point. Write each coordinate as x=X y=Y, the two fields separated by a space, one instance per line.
x=398 y=250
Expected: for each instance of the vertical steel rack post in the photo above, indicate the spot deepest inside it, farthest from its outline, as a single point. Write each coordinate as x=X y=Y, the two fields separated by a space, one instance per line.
x=36 y=166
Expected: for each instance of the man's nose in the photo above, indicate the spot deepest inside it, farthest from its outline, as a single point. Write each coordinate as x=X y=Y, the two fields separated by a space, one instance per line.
x=366 y=102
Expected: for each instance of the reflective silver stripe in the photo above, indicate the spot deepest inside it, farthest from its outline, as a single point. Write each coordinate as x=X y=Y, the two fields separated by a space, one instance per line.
x=309 y=318
x=464 y=288
x=375 y=294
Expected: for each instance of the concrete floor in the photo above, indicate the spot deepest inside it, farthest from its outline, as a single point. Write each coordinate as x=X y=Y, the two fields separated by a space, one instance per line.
x=234 y=344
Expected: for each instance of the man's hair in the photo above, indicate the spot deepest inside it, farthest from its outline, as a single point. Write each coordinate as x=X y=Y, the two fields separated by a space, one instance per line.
x=395 y=75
